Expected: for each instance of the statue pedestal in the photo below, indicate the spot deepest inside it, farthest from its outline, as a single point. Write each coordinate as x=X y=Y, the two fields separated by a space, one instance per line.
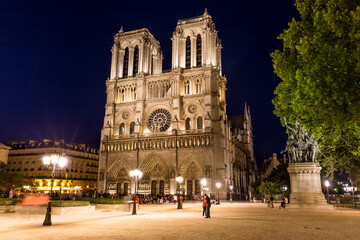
x=306 y=186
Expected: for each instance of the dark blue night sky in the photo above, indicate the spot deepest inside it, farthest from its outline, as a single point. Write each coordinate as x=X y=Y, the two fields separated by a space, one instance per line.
x=55 y=57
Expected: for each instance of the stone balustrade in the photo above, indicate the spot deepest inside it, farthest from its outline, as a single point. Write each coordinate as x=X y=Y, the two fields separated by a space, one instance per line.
x=160 y=142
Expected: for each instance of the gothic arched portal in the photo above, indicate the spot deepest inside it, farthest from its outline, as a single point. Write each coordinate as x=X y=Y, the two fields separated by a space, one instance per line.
x=155 y=174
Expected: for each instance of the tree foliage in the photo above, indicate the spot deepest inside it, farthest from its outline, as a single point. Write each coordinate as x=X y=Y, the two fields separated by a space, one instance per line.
x=275 y=182
x=270 y=188
x=320 y=72
x=13 y=180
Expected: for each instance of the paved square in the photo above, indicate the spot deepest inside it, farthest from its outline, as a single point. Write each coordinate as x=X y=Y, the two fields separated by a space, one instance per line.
x=228 y=221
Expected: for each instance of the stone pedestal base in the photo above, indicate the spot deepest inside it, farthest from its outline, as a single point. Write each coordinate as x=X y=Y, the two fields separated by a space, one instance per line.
x=306 y=186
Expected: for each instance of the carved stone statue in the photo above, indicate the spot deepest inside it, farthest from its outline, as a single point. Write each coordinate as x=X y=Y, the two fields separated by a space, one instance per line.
x=300 y=146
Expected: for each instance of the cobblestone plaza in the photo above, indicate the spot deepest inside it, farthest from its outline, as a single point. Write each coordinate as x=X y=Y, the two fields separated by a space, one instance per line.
x=228 y=221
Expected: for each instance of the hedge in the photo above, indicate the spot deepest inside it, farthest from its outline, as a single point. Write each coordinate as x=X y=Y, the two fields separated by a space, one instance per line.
x=347 y=205
x=8 y=201
x=102 y=200
x=69 y=203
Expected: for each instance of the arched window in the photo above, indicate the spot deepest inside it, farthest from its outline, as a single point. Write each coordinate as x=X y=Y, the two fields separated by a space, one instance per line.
x=136 y=61
x=126 y=63
x=132 y=127
x=187 y=124
x=188 y=53
x=187 y=87
x=198 y=86
x=198 y=50
x=199 y=123
x=122 y=129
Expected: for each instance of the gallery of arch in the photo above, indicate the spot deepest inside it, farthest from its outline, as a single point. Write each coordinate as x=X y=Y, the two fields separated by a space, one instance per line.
x=173 y=123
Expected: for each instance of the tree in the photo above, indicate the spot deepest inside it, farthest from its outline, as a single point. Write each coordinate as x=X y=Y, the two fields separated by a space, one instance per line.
x=275 y=182
x=320 y=72
x=267 y=188
x=13 y=180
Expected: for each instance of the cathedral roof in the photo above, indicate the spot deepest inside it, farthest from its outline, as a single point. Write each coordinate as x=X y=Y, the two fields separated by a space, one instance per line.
x=200 y=18
x=143 y=31
x=52 y=144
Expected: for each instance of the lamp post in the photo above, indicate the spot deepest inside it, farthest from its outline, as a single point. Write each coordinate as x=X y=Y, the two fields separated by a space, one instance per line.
x=54 y=163
x=137 y=174
x=327 y=184
x=231 y=189
x=218 y=185
x=179 y=180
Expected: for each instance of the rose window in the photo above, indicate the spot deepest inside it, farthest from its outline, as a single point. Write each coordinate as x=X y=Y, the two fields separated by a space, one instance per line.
x=159 y=120
x=192 y=108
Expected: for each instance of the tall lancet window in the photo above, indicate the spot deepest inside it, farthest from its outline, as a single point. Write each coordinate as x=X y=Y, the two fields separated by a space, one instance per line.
x=136 y=61
x=188 y=53
x=126 y=63
x=187 y=87
x=187 y=124
x=199 y=123
x=132 y=127
x=198 y=86
x=198 y=50
x=122 y=129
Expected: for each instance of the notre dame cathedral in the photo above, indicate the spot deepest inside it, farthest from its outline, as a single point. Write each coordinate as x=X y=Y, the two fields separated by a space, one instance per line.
x=173 y=123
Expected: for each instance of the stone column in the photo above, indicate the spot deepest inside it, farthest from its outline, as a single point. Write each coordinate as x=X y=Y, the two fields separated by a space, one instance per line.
x=193 y=51
x=114 y=58
x=131 y=61
x=120 y=63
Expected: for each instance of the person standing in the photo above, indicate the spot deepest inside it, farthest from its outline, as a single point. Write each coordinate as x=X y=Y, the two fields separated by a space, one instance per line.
x=204 y=205
x=271 y=201
x=208 y=205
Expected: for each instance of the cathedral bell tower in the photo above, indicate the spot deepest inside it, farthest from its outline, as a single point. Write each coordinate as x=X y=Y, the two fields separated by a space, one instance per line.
x=135 y=52
x=195 y=43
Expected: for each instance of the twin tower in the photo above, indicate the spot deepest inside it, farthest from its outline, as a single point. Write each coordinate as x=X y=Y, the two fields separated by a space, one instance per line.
x=194 y=43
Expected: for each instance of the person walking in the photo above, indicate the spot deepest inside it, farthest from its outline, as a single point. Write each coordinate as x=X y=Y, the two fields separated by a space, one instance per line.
x=208 y=205
x=271 y=201
x=204 y=205
x=286 y=201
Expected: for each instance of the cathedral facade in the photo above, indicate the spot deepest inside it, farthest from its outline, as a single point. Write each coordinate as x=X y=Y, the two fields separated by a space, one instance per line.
x=173 y=123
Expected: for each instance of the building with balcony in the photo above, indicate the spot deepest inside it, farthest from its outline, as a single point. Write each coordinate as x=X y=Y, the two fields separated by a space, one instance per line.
x=173 y=123
x=80 y=172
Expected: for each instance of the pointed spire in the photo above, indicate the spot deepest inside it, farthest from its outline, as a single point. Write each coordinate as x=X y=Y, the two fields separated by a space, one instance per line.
x=121 y=29
x=245 y=111
x=206 y=12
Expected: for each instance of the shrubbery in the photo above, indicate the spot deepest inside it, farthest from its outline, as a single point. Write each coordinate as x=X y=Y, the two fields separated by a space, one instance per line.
x=69 y=203
x=102 y=200
x=8 y=201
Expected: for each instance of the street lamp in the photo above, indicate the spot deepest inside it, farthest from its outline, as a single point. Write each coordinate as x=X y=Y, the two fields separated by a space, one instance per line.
x=203 y=183
x=327 y=184
x=231 y=189
x=54 y=163
x=218 y=185
x=137 y=174
x=179 y=179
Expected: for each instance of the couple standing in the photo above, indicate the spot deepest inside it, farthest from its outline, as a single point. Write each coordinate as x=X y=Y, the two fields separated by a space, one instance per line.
x=206 y=206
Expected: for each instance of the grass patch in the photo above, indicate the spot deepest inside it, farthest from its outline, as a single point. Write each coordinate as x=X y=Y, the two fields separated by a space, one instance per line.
x=102 y=200
x=8 y=201
x=69 y=203
x=347 y=205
